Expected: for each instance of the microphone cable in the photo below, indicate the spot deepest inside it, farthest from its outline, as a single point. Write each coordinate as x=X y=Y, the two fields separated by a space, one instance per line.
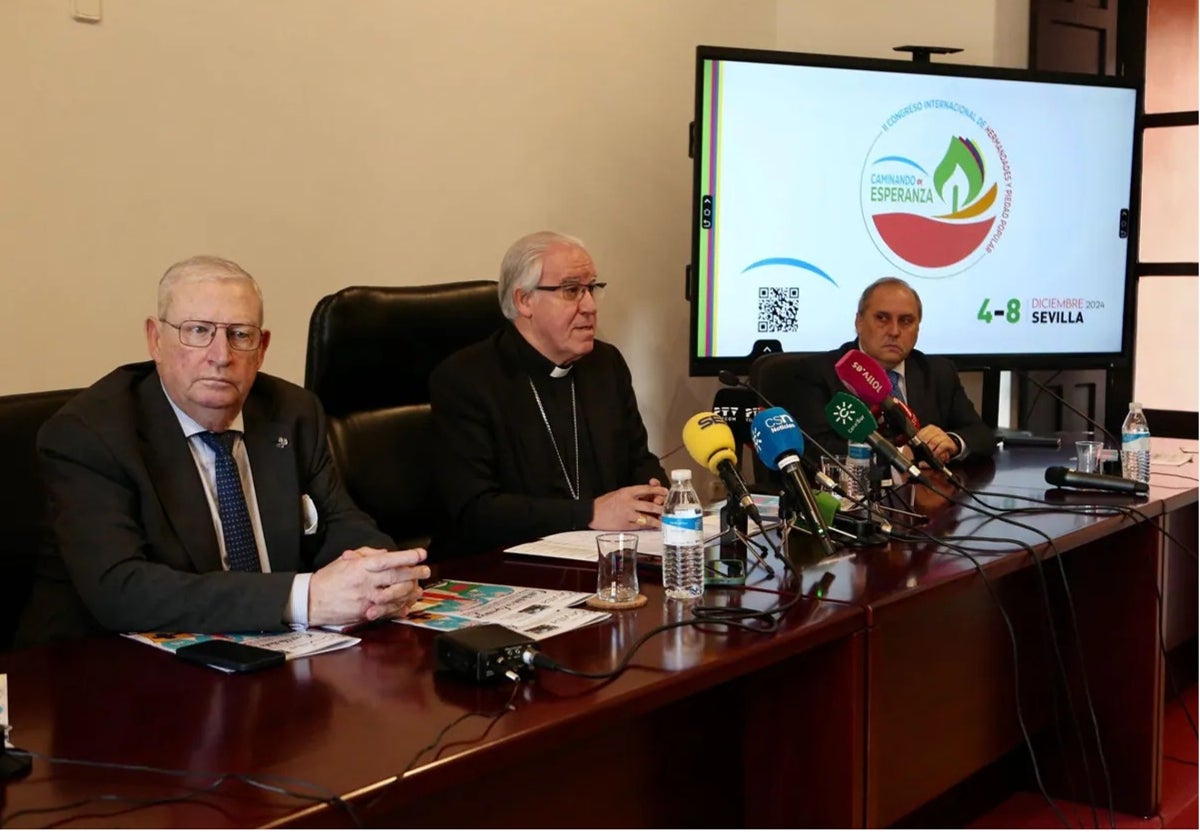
x=1012 y=637
x=734 y=617
x=1133 y=513
x=270 y=783
x=1054 y=647
x=1089 y=420
x=1088 y=508
x=491 y=716
x=1162 y=646
x=1071 y=613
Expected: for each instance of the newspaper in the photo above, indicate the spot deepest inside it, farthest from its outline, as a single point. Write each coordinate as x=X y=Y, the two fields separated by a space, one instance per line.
x=538 y=613
x=295 y=644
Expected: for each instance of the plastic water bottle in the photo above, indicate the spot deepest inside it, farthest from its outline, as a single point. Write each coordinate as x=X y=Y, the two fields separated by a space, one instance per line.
x=1135 y=445
x=683 y=539
x=858 y=466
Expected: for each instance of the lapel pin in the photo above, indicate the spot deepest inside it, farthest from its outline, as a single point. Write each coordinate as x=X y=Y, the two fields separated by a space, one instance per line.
x=281 y=443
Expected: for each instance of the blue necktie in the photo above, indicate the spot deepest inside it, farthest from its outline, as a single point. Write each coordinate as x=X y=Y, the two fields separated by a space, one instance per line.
x=894 y=376
x=240 y=549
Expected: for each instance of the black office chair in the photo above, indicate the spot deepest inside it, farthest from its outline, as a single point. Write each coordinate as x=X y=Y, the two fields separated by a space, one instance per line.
x=1172 y=424
x=375 y=346
x=23 y=510
x=769 y=375
x=370 y=352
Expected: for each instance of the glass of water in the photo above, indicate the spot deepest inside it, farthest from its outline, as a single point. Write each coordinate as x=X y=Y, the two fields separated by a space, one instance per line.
x=616 y=576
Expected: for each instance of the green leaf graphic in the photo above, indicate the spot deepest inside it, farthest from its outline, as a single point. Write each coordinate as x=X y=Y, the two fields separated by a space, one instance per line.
x=959 y=156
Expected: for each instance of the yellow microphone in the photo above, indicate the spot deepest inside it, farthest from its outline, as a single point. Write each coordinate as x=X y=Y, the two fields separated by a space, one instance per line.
x=709 y=441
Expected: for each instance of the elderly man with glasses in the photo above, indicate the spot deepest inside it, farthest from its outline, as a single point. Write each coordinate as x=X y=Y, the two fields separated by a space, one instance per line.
x=538 y=425
x=192 y=493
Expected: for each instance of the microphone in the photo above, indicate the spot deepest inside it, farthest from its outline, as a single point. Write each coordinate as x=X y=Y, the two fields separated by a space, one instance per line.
x=1063 y=477
x=1091 y=421
x=778 y=442
x=728 y=377
x=737 y=407
x=868 y=381
x=710 y=443
x=851 y=419
x=732 y=380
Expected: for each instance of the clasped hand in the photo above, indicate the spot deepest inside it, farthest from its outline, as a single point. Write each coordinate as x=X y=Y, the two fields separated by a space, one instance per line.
x=942 y=444
x=629 y=508
x=366 y=584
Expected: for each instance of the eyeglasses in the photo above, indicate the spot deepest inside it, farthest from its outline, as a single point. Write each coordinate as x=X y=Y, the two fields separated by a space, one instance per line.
x=572 y=292
x=202 y=333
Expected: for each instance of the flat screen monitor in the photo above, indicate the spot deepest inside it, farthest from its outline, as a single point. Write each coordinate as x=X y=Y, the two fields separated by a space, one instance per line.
x=1005 y=198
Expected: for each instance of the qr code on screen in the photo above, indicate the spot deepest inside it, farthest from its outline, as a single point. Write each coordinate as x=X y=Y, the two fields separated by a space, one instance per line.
x=778 y=310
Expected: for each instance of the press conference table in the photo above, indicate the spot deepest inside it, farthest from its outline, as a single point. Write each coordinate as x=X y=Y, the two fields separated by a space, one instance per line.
x=889 y=680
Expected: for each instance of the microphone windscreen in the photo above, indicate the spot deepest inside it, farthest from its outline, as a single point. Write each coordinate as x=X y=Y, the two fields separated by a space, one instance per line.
x=850 y=418
x=828 y=504
x=863 y=376
x=728 y=377
x=1056 y=476
x=708 y=440
x=774 y=434
x=737 y=407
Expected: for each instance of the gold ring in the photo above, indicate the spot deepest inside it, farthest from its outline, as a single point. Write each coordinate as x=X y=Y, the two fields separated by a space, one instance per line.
x=641 y=520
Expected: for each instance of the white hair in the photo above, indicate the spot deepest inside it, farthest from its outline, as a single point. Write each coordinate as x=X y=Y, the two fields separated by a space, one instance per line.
x=521 y=267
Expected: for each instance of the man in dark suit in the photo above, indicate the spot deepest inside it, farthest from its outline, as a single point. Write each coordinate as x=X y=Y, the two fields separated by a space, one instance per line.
x=538 y=426
x=888 y=323
x=166 y=475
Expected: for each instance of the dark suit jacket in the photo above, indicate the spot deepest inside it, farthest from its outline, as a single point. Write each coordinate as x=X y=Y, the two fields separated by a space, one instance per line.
x=931 y=384
x=136 y=548
x=493 y=453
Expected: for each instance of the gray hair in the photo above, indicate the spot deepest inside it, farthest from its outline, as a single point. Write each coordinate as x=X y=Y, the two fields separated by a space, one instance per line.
x=521 y=267
x=887 y=281
x=203 y=268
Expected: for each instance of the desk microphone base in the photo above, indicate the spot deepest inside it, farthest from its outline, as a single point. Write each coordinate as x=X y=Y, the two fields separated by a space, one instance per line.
x=861 y=532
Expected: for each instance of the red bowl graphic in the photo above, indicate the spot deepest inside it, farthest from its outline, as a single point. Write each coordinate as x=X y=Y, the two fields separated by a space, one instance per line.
x=930 y=243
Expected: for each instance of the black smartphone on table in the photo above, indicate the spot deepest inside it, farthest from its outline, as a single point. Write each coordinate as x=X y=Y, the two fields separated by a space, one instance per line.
x=230 y=656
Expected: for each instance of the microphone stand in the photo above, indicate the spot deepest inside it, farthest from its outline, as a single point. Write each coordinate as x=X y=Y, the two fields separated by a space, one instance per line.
x=725 y=561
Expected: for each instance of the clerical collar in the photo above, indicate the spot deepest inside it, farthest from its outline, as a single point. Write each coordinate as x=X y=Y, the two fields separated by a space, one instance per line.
x=534 y=362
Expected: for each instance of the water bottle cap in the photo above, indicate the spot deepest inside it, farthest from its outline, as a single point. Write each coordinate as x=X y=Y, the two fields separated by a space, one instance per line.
x=681 y=475
x=1135 y=406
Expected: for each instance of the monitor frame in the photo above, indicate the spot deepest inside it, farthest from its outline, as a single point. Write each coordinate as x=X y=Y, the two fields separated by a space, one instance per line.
x=711 y=365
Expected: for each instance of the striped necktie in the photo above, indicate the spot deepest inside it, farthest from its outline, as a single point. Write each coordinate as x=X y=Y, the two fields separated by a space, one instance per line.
x=240 y=549
x=894 y=376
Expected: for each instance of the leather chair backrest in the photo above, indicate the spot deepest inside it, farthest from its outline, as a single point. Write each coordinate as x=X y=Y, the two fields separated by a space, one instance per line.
x=370 y=352
x=769 y=374
x=384 y=456
x=23 y=509
x=375 y=346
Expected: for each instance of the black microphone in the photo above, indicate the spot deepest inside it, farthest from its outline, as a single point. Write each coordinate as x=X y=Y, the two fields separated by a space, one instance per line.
x=1091 y=421
x=728 y=377
x=1063 y=477
x=737 y=407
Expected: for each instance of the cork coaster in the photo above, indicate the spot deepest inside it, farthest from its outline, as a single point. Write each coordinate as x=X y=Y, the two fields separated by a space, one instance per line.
x=636 y=603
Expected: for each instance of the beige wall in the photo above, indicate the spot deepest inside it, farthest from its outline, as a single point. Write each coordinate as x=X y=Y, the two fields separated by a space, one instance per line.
x=323 y=144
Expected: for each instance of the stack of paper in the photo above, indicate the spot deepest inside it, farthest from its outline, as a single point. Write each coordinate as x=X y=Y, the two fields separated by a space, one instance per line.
x=581 y=545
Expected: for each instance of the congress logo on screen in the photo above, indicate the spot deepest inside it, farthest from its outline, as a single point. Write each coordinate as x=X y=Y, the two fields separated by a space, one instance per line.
x=936 y=188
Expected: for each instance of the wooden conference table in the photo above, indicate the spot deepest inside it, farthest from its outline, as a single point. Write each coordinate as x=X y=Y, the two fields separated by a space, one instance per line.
x=889 y=680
